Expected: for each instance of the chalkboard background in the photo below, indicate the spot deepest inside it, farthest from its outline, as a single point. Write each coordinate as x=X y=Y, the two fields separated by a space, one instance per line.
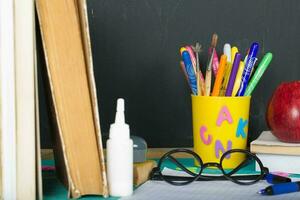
x=136 y=56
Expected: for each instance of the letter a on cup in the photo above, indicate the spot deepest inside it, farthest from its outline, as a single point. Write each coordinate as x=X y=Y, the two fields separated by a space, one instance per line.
x=224 y=114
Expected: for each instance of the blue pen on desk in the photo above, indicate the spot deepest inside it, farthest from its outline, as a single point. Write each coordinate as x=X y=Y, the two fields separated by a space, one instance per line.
x=274 y=179
x=281 y=188
x=190 y=71
x=251 y=59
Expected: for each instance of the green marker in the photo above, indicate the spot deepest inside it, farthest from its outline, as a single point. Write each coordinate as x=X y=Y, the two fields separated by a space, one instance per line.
x=258 y=73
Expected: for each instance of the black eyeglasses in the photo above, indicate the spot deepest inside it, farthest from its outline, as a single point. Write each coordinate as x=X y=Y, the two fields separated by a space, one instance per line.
x=233 y=174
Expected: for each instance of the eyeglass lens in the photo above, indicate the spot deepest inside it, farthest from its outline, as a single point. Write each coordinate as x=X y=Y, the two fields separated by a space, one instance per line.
x=242 y=170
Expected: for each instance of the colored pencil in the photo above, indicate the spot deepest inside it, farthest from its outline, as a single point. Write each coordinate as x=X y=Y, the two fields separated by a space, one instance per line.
x=220 y=75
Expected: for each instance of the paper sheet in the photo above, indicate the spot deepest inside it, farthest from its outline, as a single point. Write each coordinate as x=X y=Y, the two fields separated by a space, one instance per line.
x=268 y=139
x=209 y=190
x=206 y=190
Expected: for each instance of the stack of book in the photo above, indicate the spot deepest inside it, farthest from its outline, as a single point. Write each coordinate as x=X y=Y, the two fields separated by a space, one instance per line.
x=20 y=174
x=69 y=71
x=276 y=155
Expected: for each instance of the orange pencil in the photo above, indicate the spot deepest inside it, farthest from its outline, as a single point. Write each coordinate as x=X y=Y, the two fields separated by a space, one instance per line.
x=220 y=75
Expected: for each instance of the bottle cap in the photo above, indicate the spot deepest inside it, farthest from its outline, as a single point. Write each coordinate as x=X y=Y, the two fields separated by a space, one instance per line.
x=119 y=129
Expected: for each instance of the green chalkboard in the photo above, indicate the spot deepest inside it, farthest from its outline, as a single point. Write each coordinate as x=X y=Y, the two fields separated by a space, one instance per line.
x=136 y=45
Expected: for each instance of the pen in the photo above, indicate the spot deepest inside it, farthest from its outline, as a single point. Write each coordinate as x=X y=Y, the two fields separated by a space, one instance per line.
x=190 y=71
x=274 y=179
x=208 y=75
x=182 y=49
x=232 y=53
x=235 y=67
x=184 y=71
x=258 y=73
x=281 y=188
x=227 y=51
x=251 y=59
x=220 y=75
x=237 y=82
x=192 y=56
x=247 y=52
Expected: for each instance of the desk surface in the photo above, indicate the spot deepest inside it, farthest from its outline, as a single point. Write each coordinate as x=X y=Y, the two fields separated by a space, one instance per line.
x=54 y=190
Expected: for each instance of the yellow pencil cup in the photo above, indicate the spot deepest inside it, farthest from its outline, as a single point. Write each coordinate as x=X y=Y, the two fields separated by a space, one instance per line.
x=220 y=124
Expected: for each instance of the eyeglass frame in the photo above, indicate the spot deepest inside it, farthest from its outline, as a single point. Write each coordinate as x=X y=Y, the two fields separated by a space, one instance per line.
x=158 y=172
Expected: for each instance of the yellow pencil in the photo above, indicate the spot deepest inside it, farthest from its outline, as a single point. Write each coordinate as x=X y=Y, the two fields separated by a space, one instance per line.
x=220 y=75
x=238 y=78
x=226 y=78
x=234 y=50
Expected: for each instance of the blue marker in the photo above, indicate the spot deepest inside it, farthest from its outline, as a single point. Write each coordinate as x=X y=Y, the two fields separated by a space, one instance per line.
x=251 y=59
x=281 y=188
x=190 y=71
x=274 y=179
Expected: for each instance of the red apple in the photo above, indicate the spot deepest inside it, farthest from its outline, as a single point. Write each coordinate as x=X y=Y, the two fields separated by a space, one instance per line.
x=283 y=113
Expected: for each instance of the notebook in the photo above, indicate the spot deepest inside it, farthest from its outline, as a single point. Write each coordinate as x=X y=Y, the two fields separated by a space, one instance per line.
x=208 y=190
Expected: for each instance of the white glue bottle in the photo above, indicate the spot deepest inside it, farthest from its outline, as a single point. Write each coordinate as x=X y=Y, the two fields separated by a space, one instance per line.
x=119 y=148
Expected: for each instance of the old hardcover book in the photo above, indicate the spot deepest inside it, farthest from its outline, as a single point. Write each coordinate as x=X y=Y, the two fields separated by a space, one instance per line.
x=7 y=102
x=25 y=99
x=73 y=94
